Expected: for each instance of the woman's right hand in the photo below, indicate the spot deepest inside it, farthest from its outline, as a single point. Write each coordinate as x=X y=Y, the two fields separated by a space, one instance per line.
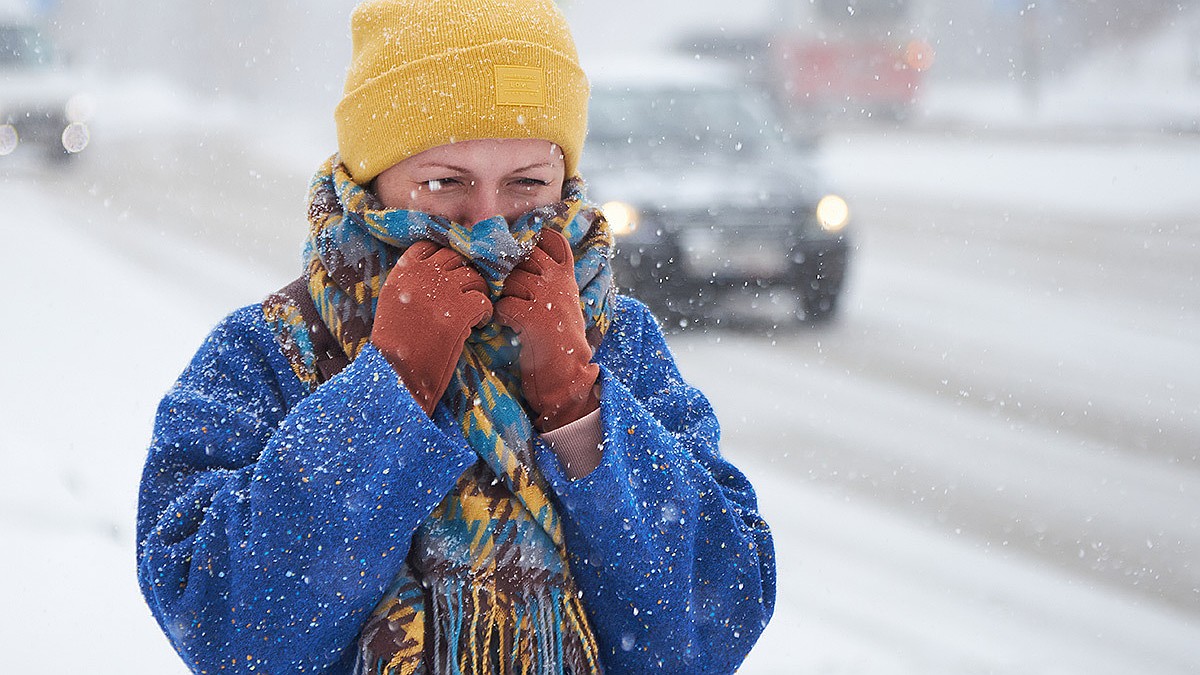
x=430 y=302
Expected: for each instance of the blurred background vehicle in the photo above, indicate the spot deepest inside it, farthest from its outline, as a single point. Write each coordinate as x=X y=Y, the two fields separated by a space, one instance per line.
x=837 y=56
x=716 y=211
x=828 y=62
x=41 y=96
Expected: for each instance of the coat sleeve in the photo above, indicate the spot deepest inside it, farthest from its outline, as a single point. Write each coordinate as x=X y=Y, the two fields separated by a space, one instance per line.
x=676 y=565
x=270 y=521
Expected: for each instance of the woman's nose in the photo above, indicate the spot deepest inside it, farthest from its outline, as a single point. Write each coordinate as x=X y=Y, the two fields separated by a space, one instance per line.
x=481 y=204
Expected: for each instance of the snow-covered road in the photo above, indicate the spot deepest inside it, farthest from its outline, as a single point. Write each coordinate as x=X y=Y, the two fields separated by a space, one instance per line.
x=989 y=465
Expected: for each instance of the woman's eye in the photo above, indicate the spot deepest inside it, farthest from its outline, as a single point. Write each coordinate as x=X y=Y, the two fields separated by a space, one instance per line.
x=438 y=184
x=532 y=182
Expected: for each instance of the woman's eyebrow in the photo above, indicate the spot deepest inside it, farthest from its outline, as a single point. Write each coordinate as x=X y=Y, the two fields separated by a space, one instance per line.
x=442 y=165
x=459 y=169
x=463 y=169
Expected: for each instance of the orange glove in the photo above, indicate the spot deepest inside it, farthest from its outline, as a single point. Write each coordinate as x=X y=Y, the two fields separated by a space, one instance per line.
x=429 y=303
x=540 y=302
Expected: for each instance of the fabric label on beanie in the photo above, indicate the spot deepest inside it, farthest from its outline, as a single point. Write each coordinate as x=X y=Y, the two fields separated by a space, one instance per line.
x=520 y=85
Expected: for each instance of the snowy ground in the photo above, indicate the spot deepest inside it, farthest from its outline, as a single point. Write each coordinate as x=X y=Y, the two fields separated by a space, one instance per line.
x=989 y=465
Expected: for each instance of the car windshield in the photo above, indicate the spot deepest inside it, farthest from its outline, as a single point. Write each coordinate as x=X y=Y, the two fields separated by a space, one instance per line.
x=23 y=46
x=667 y=124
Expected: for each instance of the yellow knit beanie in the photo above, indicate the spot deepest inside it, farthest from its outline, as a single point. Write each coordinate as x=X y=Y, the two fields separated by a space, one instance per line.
x=425 y=73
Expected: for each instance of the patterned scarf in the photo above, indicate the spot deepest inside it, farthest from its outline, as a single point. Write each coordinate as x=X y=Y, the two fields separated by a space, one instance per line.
x=486 y=588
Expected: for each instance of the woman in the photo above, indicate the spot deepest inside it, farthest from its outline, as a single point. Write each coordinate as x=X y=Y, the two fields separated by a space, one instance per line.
x=449 y=446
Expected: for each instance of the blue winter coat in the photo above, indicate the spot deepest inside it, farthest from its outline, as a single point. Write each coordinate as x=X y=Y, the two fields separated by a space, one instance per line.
x=272 y=519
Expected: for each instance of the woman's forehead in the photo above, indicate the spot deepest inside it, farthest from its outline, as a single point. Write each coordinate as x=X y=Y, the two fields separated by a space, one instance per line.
x=492 y=150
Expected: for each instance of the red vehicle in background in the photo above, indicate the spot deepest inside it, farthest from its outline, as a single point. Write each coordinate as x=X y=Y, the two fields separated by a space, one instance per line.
x=847 y=58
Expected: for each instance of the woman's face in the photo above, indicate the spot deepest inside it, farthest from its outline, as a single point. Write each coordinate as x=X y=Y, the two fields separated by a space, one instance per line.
x=471 y=181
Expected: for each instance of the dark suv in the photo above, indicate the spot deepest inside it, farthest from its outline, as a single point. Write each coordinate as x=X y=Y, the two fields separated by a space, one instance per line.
x=41 y=103
x=714 y=211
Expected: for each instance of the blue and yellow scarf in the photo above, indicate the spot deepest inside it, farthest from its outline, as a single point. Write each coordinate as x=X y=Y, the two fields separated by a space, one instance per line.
x=486 y=588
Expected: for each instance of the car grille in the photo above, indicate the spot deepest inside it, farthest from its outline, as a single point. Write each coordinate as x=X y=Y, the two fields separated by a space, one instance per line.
x=35 y=123
x=746 y=244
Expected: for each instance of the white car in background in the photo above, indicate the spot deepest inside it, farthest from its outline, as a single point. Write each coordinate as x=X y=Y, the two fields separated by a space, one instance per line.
x=42 y=103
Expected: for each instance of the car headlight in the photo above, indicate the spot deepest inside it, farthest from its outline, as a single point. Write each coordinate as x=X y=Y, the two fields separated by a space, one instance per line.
x=621 y=217
x=8 y=139
x=76 y=137
x=832 y=213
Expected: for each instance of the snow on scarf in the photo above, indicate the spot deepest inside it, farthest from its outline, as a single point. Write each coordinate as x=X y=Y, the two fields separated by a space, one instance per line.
x=486 y=588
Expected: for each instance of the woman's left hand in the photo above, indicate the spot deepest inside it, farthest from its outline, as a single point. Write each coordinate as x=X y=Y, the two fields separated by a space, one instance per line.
x=540 y=302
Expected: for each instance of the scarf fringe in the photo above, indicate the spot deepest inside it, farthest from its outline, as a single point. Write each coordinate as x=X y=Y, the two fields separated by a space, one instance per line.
x=480 y=632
